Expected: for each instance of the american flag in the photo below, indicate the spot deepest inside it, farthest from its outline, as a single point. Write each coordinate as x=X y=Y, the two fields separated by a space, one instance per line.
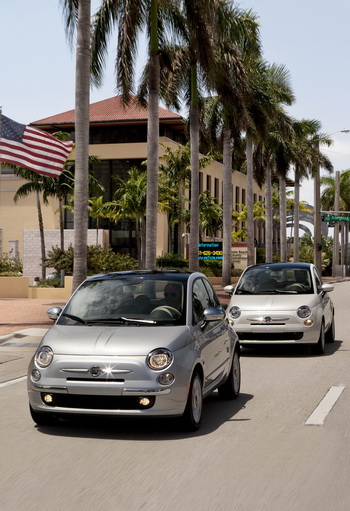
x=32 y=148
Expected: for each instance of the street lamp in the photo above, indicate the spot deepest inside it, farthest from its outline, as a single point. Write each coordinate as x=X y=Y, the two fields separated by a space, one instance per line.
x=317 y=213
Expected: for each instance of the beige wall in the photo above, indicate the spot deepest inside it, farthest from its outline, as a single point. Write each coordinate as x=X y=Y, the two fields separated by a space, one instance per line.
x=20 y=217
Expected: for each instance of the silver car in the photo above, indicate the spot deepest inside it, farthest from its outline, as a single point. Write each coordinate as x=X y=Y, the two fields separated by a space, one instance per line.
x=141 y=343
x=282 y=303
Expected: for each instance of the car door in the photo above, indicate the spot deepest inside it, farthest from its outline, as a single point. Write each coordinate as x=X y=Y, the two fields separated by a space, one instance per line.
x=211 y=337
x=325 y=301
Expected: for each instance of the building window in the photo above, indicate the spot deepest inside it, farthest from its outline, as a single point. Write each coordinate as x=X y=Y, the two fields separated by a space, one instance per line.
x=200 y=182
x=209 y=183
x=237 y=197
x=243 y=196
x=216 y=189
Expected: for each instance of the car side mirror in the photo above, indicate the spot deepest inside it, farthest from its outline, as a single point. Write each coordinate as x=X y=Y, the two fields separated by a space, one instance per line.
x=229 y=289
x=327 y=288
x=54 y=312
x=213 y=314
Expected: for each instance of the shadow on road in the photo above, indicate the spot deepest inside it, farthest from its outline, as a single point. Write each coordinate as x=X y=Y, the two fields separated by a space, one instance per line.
x=215 y=413
x=287 y=350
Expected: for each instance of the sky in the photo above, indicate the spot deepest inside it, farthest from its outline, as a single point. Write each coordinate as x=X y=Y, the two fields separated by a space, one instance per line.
x=311 y=39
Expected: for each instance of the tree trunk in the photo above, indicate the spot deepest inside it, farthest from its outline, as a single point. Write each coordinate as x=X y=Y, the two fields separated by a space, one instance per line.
x=42 y=236
x=268 y=220
x=250 y=201
x=152 y=143
x=283 y=220
x=180 y=230
x=296 y=216
x=82 y=98
x=194 y=137
x=227 y=208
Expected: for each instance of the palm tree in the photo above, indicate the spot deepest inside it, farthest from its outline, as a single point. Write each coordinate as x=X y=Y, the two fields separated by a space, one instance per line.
x=306 y=156
x=131 y=18
x=130 y=202
x=77 y=14
x=36 y=183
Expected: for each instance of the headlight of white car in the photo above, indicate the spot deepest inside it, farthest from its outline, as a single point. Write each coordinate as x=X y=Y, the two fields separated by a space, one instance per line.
x=304 y=312
x=159 y=359
x=44 y=356
x=234 y=312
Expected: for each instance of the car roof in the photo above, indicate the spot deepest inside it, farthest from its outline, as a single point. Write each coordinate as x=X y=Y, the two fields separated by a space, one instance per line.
x=178 y=275
x=281 y=266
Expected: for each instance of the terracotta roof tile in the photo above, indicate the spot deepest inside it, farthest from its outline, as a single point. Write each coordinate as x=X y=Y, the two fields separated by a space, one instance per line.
x=109 y=110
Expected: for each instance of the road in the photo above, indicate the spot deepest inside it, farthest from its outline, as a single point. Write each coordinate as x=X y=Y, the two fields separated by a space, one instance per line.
x=253 y=454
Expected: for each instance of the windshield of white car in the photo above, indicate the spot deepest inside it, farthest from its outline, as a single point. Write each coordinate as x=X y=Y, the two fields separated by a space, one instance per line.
x=284 y=280
x=134 y=300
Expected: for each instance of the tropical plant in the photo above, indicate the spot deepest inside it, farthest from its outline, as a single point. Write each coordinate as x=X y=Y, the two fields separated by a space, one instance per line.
x=77 y=15
x=131 y=19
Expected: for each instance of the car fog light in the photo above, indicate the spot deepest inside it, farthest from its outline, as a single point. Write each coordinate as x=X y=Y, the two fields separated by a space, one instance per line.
x=166 y=379
x=144 y=401
x=48 y=398
x=36 y=375
x=308 y=322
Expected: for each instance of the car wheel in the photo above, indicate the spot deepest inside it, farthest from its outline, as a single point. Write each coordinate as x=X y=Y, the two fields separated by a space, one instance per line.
x=230 y=389
x=330 y=334
x=318 y=349
x=42 y=418
x=192 y=416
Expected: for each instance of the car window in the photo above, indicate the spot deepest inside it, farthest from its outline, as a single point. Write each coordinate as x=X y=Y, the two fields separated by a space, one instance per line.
x=318 y=281
x=159 y=300
x=201 y=300
x=214 y=301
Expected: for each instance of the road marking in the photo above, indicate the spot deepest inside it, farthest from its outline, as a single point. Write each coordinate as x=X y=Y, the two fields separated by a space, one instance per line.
x=319 y=415
x=12 y=382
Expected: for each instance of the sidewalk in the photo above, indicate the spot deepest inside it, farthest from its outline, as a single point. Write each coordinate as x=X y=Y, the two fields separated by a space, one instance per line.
x=22 y=313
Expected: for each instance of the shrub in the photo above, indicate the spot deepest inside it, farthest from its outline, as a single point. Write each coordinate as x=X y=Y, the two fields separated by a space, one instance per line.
x=171 y=261
x=10 y=266
x=99 y=260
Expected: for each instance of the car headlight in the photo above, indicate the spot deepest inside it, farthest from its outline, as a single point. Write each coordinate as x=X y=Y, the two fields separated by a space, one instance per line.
x=159 y=359
x=44 y=356
x=304 y=311
x=234 y=312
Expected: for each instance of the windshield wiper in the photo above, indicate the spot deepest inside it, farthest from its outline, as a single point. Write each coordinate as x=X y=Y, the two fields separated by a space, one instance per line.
x=75 y=318
x=120 y=320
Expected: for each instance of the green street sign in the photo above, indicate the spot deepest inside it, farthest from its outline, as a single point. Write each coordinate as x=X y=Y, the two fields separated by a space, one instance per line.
x=335 y=218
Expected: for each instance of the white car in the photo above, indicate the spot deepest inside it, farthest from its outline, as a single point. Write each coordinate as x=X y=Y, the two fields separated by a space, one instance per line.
x=282 y=303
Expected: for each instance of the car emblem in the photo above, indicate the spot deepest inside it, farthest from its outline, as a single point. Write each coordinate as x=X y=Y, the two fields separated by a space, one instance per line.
x=95 y=371
x=267 y=319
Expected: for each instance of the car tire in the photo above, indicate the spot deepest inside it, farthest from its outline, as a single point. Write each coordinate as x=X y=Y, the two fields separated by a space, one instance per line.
x=230 y=389
x=318 y=349
x=192 y=416
x=42 y=418
x=330 y=334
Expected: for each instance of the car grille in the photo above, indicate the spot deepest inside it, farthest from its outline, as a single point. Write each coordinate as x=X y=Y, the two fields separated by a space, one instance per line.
x=92 y=402
x=268 y=336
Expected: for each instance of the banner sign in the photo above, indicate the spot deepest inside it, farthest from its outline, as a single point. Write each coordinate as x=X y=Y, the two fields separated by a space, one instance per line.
x=210 y=250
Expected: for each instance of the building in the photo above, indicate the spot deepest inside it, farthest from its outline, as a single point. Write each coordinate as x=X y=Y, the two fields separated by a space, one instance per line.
x=118 y=138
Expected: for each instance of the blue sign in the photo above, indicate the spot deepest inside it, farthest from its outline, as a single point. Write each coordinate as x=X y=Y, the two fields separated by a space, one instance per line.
x=210 y=250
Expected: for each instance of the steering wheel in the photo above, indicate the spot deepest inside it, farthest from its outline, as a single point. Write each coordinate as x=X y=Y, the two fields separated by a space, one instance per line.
x=296 y=287
x=165 y=312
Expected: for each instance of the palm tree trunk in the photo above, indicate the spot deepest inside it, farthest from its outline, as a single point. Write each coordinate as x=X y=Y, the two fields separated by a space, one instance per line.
x=42 y=236
x=180 y=230
x=153 y=143
x=268 y=220
x=82 y=98
x=296 y=215
x=194 y=137
x=250 y=200
x=227 y=208
x=283 y=220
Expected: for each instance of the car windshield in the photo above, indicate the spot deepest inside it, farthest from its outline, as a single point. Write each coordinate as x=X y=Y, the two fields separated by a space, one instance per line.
x=131 y=300
x=281 y=280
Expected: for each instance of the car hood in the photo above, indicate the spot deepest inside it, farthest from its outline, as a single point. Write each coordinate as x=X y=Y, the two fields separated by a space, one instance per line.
x=275 y=302
x=123 y=340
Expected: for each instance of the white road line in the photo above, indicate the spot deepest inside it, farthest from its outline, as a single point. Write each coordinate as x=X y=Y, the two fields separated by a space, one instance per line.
x=319 y=415
x=12 y=382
